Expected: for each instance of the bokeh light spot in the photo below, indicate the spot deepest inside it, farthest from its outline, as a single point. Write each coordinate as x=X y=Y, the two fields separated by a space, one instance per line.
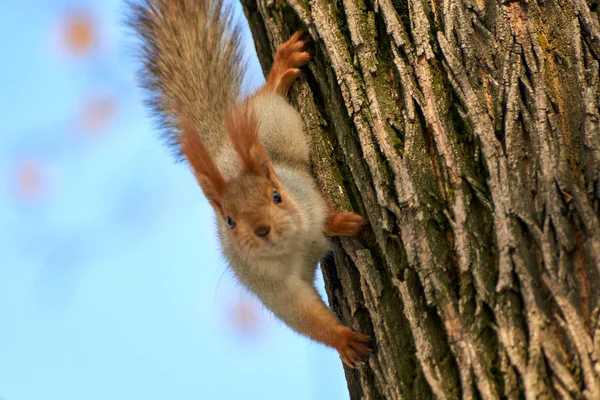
x=79 y=33
x=97 y=111
x=29 y=181
x=245 y=318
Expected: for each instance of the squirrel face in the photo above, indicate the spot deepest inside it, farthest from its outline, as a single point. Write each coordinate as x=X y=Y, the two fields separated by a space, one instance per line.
x=261 y=218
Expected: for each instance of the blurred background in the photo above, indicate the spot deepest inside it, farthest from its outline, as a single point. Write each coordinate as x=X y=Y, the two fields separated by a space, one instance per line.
x=111 y=283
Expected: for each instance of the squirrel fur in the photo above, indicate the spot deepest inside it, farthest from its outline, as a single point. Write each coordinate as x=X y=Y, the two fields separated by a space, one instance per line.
x=251 y=158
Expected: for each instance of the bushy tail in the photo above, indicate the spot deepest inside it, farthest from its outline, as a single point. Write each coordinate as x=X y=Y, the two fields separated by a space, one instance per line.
x=192 y=64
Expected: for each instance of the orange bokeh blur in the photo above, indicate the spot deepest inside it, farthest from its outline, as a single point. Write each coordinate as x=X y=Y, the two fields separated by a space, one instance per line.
x=29 y=181
x=79 y=33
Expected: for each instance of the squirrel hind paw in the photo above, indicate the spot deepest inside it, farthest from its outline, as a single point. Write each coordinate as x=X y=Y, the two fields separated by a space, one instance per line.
x=353 y=348
x=299 y=59
x=294 y=53
x=290 y=56
x=298 y=41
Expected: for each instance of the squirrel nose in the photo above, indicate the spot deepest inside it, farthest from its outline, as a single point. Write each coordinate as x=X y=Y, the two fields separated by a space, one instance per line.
x=262 y=230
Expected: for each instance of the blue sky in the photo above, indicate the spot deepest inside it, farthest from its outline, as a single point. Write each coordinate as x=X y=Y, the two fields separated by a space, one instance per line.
x=111 y=283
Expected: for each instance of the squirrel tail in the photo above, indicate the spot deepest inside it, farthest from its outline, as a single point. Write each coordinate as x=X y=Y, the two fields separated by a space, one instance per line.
x=192 y=65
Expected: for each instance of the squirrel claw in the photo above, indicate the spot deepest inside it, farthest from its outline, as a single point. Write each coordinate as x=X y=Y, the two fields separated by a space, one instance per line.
x=353 y=348
x=300 y=44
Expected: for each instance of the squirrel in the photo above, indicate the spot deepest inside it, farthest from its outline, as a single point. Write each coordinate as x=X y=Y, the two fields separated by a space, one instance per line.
x=250 y=157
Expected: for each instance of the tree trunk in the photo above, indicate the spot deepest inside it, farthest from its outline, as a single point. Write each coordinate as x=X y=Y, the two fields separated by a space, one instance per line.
x=468 y=132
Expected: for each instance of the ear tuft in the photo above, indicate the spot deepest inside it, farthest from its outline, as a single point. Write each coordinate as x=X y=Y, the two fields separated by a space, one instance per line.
x=242 y=128
x=207 y=174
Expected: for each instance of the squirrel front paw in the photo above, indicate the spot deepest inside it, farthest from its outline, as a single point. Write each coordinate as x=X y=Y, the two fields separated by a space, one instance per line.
x=345 y=224
x=289 y=57
x=353 y=348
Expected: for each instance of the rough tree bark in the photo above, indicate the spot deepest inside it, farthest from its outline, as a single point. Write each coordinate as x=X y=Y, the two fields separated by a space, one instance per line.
x=467 y=131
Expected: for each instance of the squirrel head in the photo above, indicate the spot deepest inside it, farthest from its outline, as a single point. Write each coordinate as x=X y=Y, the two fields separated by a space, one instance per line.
x=262 y=220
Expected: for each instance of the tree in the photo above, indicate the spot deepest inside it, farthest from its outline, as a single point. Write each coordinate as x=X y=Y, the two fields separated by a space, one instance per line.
x=468 y=132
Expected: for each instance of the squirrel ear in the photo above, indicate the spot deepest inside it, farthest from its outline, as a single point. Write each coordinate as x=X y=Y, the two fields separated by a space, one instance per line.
x=212 y=195
x=242 y=128
x=261 y=162
x=207 y=174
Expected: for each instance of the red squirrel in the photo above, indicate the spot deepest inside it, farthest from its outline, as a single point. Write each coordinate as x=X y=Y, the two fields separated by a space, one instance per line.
x=250 y=157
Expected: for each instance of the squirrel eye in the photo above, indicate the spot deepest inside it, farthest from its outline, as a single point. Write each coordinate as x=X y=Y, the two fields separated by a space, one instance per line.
x=276 y=197
x=230 y=222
